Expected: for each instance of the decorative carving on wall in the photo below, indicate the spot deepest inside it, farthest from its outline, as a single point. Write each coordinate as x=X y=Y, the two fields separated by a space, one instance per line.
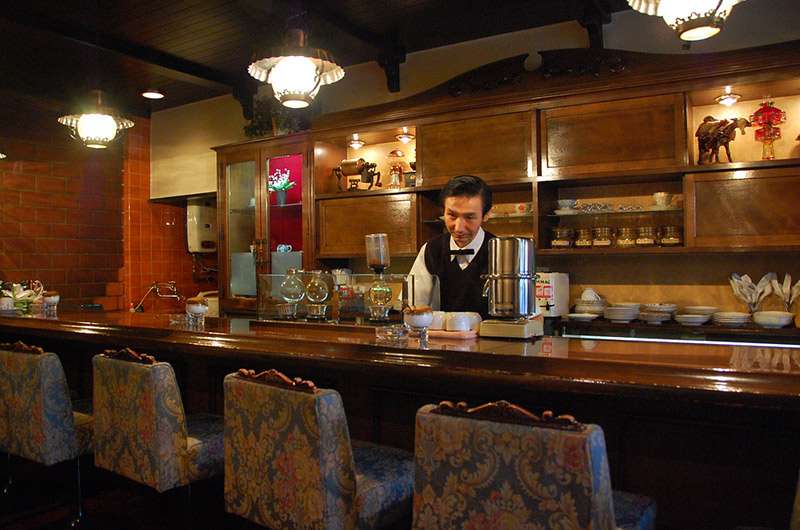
x=21 y=347
x=475 y=84
x=594 y=65
x=129 y=355
x=506 y=412
x=275 y=378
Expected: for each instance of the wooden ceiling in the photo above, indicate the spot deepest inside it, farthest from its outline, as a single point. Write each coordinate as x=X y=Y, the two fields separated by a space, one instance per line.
x=198 y=49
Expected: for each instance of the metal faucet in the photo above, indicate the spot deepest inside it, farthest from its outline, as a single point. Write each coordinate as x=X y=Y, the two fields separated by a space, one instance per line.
x=172 y=291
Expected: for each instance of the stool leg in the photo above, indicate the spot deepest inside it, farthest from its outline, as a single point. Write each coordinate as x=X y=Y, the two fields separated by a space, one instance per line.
x=77 y=521
x=9 y=486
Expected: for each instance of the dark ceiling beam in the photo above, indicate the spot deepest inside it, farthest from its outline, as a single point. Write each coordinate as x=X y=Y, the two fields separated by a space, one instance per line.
x=242 y=86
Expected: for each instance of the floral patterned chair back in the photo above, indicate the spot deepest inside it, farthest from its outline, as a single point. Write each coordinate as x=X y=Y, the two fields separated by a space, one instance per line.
x=501 y=466
x=37 y=421
x=289 y=462
x=141 y=430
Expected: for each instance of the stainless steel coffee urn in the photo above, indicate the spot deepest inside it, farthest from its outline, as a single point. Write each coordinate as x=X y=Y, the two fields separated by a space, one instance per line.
x=511 y=282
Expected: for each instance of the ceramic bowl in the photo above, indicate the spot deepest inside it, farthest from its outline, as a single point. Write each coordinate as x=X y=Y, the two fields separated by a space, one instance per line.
x=567 y=204
x=700 y=310
x=662 y=198
x=418 y=320
x=457 y=321
x=772 y=319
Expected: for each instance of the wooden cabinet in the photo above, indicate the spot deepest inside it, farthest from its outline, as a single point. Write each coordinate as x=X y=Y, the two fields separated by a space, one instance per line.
x=252 y=221
x=630 y=134
x=343 y=223
x=495 y=148
x=745 y=208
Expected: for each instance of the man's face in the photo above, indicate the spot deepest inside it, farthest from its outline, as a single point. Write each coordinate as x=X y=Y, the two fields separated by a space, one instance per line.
x=463 y=218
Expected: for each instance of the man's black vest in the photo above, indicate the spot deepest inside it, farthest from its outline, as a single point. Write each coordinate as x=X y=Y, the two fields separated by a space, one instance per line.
x=461 y=290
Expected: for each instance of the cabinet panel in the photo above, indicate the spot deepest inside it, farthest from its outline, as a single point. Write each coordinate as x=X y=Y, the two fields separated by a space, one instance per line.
x=343 y=223
x=744 y=208
x=637 y=133
x=491 y=147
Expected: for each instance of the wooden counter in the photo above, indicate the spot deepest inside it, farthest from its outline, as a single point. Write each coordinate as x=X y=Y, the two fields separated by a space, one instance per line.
x=709 y=430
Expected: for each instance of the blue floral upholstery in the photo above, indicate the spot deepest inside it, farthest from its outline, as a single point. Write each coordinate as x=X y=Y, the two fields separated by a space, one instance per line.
x=289 y=462
x=141 y=431
x=487 y=474
x=37 y=420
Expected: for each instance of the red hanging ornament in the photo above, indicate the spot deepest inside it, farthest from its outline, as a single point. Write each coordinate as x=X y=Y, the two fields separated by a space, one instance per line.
x=768 y=118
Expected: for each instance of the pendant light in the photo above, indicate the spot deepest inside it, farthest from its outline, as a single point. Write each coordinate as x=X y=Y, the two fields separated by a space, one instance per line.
x=691 y=19
x=295 y=71
x=97 y=125
x=405 y=136
x=728 y=98
x=355 y=143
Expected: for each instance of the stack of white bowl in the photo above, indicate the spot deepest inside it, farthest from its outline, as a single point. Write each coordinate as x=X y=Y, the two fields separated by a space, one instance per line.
x=732 y=319
x=594 y=307
x=621 y=313
x=690 y=319
x=655 y=317
x=700 y=310
x=772 y=319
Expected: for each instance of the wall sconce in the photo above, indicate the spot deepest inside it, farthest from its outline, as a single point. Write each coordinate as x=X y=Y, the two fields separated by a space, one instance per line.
x=97 y=125
x=295 y=71
x=355 y=143
x=727 y=98
x=405 y=136
x=692 y=20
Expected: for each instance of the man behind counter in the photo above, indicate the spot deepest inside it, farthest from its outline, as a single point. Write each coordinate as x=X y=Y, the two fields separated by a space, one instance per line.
x=460 y=256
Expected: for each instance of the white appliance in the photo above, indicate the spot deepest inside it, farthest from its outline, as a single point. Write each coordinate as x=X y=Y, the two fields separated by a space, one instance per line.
x=552 y=293
x=201 y=225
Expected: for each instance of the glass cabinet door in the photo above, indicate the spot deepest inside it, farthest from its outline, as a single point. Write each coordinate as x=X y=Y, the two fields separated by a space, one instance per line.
x=285 y=207
x=241 y=229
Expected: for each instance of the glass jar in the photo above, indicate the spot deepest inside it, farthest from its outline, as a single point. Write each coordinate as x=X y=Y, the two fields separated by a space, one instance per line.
x=602 y=236
x=583 y=238
x=626 y=238
x=292 y=289
x=646 y=236
x=562 y=238
x=671 y=236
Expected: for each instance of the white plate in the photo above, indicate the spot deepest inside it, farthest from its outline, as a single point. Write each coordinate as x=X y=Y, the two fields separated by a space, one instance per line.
x=570 y=211
x=656 y=208
x=582 y=317
x=661 y=308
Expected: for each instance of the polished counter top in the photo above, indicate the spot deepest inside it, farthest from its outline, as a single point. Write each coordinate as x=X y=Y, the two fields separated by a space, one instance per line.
x=722 y=373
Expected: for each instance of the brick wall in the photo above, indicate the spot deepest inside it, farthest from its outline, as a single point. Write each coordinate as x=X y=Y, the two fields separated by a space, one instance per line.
x=79 y=219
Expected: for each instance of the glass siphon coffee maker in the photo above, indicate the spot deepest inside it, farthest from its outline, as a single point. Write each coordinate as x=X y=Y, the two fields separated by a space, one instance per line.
x=380 y=292
x=292 y=290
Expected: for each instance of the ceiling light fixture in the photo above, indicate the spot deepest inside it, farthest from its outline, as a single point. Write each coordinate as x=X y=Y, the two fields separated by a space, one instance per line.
x=405 y=136
x=691 y=19
x=97 y=125
x=355 y=143
x=152 y=93
x=727 y=98
x=295 y=71
x=2 y=153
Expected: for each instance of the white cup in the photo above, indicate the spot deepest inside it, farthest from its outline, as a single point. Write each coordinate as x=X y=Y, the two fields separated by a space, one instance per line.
x=457 y=321
x=438 y=320
x=589 y=294
x=6 y=303
x=474 y=321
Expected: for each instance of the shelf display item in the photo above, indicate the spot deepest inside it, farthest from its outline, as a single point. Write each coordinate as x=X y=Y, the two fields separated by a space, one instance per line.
x=317 y=292
x=292 y=291
x=768 y=117
x=562 y=238
x=713 y=134
x=395 y=159
x=364 y=170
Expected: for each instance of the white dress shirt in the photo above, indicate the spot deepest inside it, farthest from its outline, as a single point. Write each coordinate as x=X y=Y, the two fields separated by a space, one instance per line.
x=426 y=288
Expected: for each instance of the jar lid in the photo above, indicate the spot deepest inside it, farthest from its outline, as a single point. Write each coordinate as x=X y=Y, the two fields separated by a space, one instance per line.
x=196 y=300
x=50 y=293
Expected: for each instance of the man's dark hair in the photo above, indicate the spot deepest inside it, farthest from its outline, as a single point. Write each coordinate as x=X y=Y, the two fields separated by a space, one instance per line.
x=467 y=186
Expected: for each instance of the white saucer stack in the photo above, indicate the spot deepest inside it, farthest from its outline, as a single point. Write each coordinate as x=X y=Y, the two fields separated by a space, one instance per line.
x=732 y=319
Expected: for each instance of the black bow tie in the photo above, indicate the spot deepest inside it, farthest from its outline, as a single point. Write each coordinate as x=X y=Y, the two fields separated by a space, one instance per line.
x=462 y=252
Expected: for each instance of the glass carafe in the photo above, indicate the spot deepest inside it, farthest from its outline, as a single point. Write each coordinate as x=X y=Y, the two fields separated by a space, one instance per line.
x=317 y=292
x=292 y=291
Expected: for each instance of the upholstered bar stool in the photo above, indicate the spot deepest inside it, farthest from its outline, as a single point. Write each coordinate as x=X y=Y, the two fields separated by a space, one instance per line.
x=290 y=463
x=500 y=463
x=37 y=419
x=141 y=430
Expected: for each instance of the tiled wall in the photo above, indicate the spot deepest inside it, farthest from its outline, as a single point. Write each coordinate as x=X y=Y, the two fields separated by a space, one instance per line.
x=155 y=234
x=61 y=206
x=79 y=219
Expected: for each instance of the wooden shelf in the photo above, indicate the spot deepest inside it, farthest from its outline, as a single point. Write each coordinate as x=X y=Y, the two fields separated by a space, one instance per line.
x=613 y=251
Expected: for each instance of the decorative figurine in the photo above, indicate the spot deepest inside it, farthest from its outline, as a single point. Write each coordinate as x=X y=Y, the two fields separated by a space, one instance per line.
x=365 y=171
x=768 y=117
x=713 y=134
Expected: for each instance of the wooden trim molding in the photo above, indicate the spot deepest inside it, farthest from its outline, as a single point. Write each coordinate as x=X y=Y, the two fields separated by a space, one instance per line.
x=273 y=377
x=129 y=355
x=21 y=347
x=505 y=412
